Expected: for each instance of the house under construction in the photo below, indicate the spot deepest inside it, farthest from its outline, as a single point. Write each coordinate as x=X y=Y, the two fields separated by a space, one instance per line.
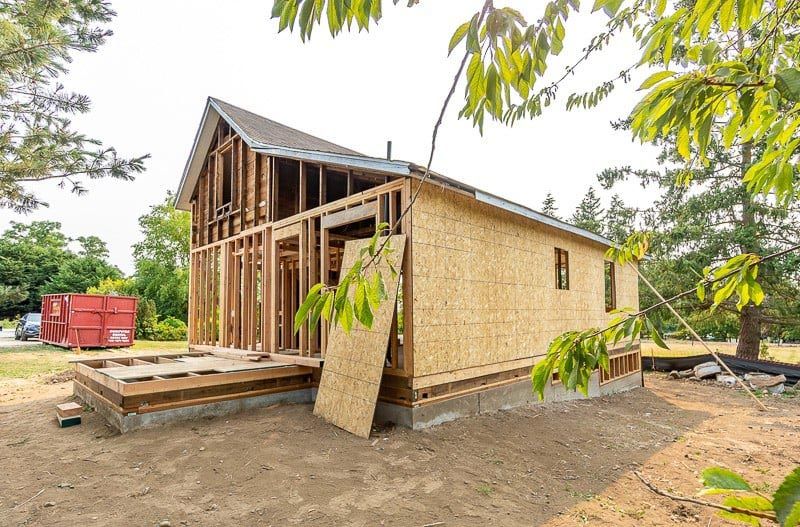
x=484 y=284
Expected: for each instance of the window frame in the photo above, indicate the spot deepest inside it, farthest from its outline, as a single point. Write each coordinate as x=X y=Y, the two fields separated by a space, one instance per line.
x=562 y=261
x=610 y=271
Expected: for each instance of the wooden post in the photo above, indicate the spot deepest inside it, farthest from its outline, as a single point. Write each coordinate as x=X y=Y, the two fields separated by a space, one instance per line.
x=302 y=190
x=408 y=290
x=275 y=284
x=322 y=185
x=225 y=310
x=302 y=286
x=324 y=264
x=192 y=291
x=312 y=279
x=253 y=320
x=247 y=290
x=266 y=290
x=213 y=294
x=273 y=200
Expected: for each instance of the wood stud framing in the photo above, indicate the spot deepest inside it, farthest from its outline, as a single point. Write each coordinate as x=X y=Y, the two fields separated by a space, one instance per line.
x=250 y=271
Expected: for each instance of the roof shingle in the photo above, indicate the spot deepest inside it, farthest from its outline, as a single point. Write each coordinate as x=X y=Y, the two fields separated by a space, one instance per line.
x=269 y=132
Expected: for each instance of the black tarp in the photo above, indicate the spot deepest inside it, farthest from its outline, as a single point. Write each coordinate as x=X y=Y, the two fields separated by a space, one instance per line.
x=739 y=366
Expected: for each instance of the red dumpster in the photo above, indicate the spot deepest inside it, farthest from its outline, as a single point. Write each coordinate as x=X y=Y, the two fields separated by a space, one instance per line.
x=88 y=321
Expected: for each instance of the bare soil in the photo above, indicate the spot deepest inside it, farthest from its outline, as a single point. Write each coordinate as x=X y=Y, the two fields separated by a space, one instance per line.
x=559 y=464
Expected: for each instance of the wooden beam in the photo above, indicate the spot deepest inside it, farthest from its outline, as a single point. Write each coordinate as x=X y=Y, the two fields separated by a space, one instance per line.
x=351 y=215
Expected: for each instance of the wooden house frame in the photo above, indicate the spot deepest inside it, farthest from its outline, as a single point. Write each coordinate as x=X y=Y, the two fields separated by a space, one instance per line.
x=271 y=209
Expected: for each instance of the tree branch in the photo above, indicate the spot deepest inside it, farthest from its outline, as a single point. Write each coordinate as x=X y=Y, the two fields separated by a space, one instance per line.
x=675 y=497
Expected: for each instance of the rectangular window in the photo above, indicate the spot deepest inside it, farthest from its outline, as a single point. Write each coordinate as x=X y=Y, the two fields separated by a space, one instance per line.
x=562 y=269
x=610 y=287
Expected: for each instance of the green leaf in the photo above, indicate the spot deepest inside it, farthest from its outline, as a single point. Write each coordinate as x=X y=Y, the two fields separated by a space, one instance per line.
x=655 y=78
x=793 y=519
x=540 y=376
x=722 y=478
x=346 y=316
x=787 y=82
x=786 y=498
x=457 y=37
x=377 y=290
x=657 y=338
x=311 y=299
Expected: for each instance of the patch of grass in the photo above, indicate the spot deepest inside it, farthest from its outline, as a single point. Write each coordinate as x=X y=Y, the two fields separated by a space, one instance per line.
x=23 y=362
x=160 y=345
x=486 y=490
x=16 y=364
x=681 y=348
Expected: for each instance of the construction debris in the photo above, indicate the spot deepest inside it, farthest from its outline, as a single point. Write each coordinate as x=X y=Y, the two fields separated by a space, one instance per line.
x=69 y=414
x=707 y=369
x=772 y=383
x=775 y=384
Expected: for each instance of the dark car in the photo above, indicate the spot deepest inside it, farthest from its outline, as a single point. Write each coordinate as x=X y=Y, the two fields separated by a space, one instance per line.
x=28 y=327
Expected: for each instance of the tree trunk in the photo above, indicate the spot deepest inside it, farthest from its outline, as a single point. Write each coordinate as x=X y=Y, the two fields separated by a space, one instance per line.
x=749 y=343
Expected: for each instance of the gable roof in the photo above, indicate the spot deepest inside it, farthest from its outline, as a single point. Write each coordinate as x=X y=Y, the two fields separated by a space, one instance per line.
x=268 y=132
x=269 y=137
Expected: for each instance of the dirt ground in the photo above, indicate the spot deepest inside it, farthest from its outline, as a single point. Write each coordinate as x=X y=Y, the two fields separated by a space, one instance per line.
x=560 y=464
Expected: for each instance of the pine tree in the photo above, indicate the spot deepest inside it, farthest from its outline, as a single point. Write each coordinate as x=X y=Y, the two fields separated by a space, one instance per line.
x=589 y=213
x=37 y=142
x=705 y=218
x=549 y=206
x=618 y=221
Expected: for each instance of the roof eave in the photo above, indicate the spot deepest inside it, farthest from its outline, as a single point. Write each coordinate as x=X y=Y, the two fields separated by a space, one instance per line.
x=398 y=168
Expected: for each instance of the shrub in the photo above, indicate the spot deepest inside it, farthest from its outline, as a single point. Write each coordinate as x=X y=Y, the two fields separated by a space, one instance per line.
x=146 y=319
x=170 y=328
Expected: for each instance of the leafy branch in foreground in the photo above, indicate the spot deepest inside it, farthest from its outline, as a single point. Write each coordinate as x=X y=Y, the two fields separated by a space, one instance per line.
x=334 y=303
x=741 y=501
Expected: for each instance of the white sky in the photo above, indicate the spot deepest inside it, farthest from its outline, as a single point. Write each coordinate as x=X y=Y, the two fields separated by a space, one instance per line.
x=149 y=84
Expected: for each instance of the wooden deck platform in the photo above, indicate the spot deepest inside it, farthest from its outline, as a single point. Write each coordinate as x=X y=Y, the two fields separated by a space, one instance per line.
x=154 y=383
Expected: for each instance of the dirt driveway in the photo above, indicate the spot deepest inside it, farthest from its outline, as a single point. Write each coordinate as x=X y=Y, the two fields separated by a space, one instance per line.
x=564 y=464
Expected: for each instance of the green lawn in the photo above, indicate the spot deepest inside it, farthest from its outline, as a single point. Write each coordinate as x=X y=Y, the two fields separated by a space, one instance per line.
x=683 y=348
x=23 y=362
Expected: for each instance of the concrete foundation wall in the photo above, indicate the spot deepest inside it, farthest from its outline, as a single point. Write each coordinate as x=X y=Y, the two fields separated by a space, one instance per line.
x=130 y=422
x=494 y=399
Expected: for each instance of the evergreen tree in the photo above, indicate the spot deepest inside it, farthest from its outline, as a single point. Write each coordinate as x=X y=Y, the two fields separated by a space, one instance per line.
x=701 y=220
x=549 y=206
x=37 y=142
x=589 y=213
x=618 y=221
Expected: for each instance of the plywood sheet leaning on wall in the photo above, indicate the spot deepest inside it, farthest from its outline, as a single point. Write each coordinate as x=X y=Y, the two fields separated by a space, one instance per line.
x=351 y=377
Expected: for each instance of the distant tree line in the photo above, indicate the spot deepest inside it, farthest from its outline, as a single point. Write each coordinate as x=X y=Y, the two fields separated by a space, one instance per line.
x=37 y=258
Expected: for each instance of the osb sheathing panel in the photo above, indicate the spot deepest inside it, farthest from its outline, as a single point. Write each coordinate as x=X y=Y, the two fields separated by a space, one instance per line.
x=484 y=284
x=351 y=377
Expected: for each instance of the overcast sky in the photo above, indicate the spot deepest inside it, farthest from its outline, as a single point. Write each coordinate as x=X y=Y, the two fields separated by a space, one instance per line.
x=149 y=83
